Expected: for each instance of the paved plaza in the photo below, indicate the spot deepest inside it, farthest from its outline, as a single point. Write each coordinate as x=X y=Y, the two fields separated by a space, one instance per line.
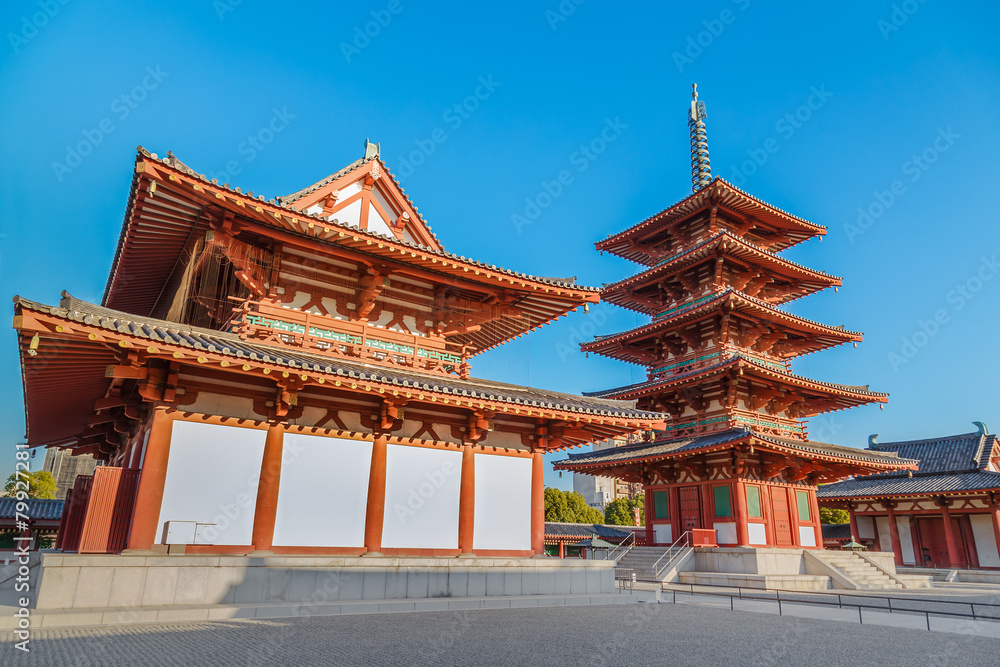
x=643 y=634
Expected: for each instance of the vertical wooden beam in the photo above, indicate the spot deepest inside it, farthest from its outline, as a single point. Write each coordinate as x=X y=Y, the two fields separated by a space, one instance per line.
x=949 y=535
x=538 y=503
x=266 y=509
x=814 y=512
x=376 y=498
x=897 y=549
x=994 y=514
x=149 y=496
x=793 y=515
x=740 y=513
x=562 y=549
x=649 y=507
x=855 y=531
x=467 y=501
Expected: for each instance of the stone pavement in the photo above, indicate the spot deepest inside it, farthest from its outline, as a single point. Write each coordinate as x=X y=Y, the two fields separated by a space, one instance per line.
x=634 y=635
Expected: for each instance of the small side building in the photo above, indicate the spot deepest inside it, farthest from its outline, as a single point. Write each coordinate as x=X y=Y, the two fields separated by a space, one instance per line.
x=946 y=514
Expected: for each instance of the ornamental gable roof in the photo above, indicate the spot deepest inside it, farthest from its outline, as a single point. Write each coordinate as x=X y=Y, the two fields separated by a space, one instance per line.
x=169 y=205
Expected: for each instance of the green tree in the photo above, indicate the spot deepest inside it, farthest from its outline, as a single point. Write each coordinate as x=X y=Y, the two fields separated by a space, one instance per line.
x=619 y=512
x=569 y=507
x=830 y=515
x=41 y=484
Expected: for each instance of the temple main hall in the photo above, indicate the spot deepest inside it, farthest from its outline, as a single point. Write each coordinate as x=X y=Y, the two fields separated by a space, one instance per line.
x=292 y=376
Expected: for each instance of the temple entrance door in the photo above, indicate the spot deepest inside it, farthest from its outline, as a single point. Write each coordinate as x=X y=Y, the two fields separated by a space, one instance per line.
x=690 y=501
x=782 y=522
x=934 y=545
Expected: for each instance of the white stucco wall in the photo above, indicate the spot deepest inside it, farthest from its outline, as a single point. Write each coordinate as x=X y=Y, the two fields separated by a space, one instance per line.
x=421 y=498
x=212 y=477
x=503 y=503
x=757 y=534
x=323 y=492
x=986 y=541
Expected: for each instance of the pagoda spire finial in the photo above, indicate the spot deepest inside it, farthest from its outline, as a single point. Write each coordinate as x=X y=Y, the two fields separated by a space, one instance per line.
x=701 y=168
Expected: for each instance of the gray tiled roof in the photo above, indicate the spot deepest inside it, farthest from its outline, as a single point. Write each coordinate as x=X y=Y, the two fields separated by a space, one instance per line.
x=38 y=509
x=947 y=464
x=836 y=531
x=881 y=485
x=646 y=450
x=955 y=453
x=583 y=530
x=230 y=344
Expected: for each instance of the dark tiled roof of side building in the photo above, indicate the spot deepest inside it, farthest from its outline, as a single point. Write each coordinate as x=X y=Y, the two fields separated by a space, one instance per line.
x=837 y=531
x=38 y=509
x=585 y=530
x=230 y=344
x=947 y=464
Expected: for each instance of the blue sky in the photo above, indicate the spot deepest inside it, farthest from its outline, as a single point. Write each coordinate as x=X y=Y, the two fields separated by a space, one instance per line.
x=876 y=119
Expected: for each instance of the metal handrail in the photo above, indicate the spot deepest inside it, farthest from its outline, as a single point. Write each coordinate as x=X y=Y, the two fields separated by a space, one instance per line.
x=657 y=571
x=842 y=601
x=630 y=541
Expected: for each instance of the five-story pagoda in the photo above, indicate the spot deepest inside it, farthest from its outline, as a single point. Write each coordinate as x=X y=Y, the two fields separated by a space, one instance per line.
x=735 y=456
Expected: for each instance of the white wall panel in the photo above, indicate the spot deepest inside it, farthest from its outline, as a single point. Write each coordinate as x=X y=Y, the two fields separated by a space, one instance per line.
x=323 y=492
x=905 y=539
x=757 y=534
x=866 y=527
x=726 y=532
x=986 y=541
x=663 y=533
x=884 y=538
x=421 y=498
x=807 y=536
x=503 y=503
x=212 y=477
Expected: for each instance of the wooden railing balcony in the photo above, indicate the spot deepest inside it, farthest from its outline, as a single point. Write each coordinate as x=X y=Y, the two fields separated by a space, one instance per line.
x=357 y=341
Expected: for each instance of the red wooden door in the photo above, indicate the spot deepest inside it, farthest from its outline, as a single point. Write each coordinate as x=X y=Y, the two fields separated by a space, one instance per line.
x=782 y=522
x=934 y=545
x=690 y=508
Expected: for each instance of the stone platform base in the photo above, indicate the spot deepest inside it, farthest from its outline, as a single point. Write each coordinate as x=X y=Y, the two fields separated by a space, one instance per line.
x=785 y=582
x=64 y=618
x=106 y=582
x=945 y=575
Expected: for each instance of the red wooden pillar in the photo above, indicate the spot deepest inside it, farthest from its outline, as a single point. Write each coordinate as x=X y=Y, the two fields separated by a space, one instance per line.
x=376 y=498
x=266 y=509
x=814 y=512
x=994 y=514
x=467 y=501
x=793 y=515
x=897 y=549
x=149 y=496
x=707 y=508
x=855 y=531
x=649 y=507
x=740 y=514
x=949 y=535
x=562 y=549
x=538 y=503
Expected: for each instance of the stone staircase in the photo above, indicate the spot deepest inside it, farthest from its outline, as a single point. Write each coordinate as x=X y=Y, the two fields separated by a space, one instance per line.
x=858 y=569
x=642 y=560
